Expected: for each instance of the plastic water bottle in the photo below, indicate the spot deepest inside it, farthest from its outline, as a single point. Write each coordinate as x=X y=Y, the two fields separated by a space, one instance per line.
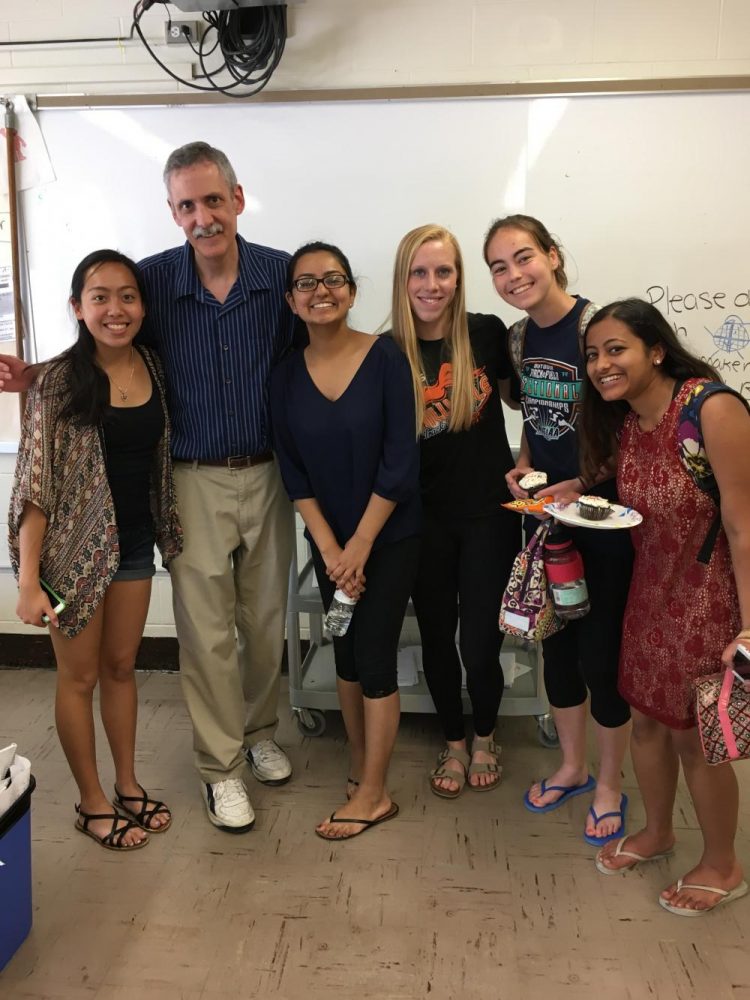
x=564 y=568
x=340 y=613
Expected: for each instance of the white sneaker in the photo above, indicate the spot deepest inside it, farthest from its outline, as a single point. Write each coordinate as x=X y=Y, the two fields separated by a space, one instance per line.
x=228 y=805
x=269 y=763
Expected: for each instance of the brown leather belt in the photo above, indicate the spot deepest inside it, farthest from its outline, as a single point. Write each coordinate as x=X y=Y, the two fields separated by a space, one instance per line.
x=235 y=461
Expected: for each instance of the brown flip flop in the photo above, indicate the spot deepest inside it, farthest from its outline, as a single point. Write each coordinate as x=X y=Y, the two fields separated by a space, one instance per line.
x=365 y=823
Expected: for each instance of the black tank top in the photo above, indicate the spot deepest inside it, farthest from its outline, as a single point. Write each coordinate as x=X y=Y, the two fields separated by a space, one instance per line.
x=131 y=434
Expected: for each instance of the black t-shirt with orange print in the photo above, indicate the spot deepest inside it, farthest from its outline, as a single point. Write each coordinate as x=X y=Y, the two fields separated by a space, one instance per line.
x=463 y=473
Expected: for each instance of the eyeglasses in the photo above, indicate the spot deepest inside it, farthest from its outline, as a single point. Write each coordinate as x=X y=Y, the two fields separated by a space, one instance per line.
x=332 y=280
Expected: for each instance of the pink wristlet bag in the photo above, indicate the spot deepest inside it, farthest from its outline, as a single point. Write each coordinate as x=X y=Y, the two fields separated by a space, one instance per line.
x=723 y=713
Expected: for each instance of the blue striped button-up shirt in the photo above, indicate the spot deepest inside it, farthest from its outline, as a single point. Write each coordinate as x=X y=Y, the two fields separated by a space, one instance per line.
x=218 y=355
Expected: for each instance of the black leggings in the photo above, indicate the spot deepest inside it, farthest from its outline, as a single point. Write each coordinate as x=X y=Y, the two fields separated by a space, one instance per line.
x=368 y=653
x=585 y=654
x=464 y=566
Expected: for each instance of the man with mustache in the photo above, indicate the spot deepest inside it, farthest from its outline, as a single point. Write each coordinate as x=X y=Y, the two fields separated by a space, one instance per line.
x=217 y=315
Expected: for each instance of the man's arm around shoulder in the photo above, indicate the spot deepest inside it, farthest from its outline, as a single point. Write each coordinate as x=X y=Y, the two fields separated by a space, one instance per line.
x=17 y=375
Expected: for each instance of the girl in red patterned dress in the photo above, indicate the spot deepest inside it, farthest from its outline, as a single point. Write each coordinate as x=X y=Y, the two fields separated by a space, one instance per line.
x=686 y=611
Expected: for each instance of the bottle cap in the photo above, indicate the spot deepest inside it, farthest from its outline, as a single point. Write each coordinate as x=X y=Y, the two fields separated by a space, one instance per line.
x=344 y=598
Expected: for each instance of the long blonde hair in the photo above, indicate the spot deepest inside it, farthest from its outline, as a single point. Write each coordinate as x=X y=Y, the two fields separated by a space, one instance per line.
x=456 y=340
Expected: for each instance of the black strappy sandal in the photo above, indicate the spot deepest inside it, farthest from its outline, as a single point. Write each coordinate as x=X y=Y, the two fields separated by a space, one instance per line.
x=112 y=840
x=144 y=815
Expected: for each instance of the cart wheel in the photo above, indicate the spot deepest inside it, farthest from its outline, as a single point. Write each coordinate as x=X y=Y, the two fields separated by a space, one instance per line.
x=311 y=722
x=546 y=732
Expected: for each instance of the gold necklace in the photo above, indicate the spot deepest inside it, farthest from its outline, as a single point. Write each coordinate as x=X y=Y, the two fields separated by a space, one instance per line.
x=124 y=390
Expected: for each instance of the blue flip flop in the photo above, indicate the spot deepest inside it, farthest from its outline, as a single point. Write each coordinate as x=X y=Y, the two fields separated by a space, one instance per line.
x=600 y=841
x=568 y=792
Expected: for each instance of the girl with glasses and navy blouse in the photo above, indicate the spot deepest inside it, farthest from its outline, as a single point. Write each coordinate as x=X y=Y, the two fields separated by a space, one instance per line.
x=343 y=429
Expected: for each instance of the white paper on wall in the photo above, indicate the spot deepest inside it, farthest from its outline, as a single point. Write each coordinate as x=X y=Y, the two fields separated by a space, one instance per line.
x=33 y=165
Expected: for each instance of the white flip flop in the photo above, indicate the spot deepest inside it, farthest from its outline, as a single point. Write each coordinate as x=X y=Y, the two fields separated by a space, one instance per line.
x=637 y=859
x=727 y=895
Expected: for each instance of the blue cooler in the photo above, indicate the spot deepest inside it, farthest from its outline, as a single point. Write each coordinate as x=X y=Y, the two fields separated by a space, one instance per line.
x=15 y=875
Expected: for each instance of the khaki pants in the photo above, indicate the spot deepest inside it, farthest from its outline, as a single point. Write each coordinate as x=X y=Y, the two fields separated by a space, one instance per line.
x=232 y=575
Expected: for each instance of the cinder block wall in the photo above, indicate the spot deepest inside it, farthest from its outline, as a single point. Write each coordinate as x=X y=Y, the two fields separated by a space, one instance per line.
x=353 y=43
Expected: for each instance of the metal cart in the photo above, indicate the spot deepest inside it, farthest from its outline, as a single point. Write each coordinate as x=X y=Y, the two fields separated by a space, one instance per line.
x=312 y=680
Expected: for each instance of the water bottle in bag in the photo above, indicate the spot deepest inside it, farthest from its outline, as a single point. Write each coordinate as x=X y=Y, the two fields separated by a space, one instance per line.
x=564 y=568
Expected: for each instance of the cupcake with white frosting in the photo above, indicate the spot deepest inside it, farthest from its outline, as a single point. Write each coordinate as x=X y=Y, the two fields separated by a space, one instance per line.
x=533 y=481
x=594 y=508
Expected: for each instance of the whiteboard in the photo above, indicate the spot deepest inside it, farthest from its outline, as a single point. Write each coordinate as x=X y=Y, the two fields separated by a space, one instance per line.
x=648 y=194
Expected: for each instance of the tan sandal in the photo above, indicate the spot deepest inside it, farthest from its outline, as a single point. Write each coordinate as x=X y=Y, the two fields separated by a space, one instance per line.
x=442 y=772
x=486 y=745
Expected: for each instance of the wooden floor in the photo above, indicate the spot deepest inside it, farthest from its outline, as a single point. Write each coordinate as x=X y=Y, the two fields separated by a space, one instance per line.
x=474 y=898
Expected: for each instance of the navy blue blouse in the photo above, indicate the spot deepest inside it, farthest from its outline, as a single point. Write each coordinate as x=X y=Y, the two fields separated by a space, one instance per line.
x=341 y=452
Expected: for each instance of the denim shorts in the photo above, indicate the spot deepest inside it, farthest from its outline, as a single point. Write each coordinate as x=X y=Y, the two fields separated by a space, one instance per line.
x=136 y=553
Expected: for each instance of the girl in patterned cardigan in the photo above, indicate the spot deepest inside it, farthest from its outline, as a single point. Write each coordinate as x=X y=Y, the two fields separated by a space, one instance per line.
x=92 y=494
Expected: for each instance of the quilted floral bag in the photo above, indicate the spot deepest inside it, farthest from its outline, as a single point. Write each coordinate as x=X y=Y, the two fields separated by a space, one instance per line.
x=526 y=609
x=723 y=713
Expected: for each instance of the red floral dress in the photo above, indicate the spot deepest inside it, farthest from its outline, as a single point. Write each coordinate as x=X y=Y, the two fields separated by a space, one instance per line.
x=681 y=613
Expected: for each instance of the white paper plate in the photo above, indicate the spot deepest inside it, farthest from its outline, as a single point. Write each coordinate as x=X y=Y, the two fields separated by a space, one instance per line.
x=621 y=517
